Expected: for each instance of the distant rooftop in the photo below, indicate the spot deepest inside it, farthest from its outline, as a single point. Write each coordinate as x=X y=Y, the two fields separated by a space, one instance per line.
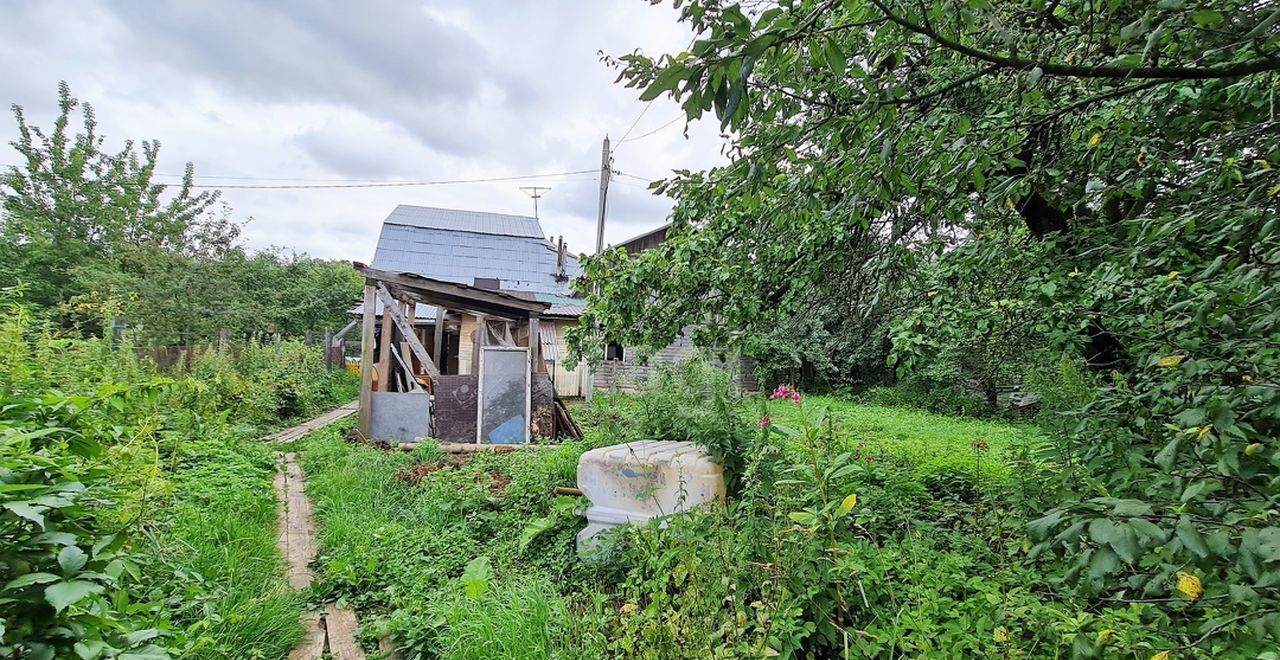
x=466 y=246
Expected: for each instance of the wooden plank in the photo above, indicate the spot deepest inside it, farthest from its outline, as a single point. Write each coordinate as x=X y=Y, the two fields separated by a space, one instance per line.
x=419 y=351
x=384 y=351
x=345 y=329
x=340 y=625
x=312 y=645
x=410 y=383
x=438 y=340
x=296 y=432
x=366 y=360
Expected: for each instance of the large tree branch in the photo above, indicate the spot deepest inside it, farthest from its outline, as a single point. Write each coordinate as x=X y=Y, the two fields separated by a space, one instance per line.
x=1077 y=71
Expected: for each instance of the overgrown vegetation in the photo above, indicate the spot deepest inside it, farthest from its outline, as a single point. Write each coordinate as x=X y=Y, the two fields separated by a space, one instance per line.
x=881 y=531
x=90 y=235
x=137 y=517
x=987 y=188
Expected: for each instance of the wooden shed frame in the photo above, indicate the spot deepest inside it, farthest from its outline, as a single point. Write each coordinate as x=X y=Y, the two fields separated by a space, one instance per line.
x=399 y=291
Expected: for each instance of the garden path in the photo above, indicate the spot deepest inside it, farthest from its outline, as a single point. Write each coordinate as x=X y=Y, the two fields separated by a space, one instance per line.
x=336 y=626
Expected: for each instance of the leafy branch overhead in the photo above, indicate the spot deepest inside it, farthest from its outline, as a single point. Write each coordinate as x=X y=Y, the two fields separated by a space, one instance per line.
x=979 y=189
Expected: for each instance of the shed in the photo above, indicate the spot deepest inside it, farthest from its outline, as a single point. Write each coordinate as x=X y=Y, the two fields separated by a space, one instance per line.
x=506 y=400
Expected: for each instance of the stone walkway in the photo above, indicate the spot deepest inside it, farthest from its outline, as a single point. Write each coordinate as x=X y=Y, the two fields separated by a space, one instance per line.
x=335 y=628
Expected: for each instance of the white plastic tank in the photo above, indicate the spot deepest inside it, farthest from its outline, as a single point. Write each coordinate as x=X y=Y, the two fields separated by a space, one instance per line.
x=636 y=481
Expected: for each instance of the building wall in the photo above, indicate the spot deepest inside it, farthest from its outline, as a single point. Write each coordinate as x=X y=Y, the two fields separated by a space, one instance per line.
x=569 y=382
x=628 y=374
x=466 y=343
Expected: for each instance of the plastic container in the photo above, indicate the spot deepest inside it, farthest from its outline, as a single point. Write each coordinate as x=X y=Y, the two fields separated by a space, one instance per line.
x=638 y=481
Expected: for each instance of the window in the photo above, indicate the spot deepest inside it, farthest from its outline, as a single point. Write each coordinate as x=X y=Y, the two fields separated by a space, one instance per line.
x=613 y=351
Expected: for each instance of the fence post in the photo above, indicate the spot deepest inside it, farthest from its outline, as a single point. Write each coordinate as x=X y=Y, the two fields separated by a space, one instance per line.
x=118 y=325
x=328 y=350
x=223 y=339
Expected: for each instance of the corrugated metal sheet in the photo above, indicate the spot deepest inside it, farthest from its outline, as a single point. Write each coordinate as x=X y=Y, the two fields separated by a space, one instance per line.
x=519 y=263
x=501 y=224
x=550 y=344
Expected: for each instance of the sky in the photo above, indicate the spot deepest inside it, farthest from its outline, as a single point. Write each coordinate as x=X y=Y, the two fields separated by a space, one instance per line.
x=305 y=92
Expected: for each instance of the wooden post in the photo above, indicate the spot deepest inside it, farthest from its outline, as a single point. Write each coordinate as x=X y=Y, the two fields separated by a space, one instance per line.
x=366 y=361
x=384 y=350
x=535 y=345
x=328 y=350
x=223 y=339
x=481 y=339
x=437 y=344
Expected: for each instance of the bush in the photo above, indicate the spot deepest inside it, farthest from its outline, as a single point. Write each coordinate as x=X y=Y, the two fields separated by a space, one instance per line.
x=95 y=447
x=693 y=401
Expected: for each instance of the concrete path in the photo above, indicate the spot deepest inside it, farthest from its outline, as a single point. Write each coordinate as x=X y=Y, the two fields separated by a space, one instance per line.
x=335 y=628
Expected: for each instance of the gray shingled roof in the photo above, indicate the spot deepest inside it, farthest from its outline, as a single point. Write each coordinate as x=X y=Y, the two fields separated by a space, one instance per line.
x=479 y=222
x=460 y=246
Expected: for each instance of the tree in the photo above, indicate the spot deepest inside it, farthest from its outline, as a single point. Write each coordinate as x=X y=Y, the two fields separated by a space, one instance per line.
x=84 y=230
x=1108 y=169
x=71 y=207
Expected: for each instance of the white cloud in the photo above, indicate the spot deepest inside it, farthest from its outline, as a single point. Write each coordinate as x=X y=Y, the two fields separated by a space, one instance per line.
x=381 y=90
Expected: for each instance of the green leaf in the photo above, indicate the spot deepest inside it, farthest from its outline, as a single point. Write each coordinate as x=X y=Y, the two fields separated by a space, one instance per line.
x=1166 y=456
x=803 y=518
x=834 y=57
x=72 y=559
x=1206 y=18
x=1103 y=562
x=30 y=579
x=850 y=501
x=476 y=576
x=65 y=594
x=1191 y=539
x=1033 y=77
x=27 y=510
x=533 y=530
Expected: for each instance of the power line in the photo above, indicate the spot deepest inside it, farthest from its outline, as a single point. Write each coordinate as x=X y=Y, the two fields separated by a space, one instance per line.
x=382 y=184
x=647 y=105
x=641 y=178
x=645 y=135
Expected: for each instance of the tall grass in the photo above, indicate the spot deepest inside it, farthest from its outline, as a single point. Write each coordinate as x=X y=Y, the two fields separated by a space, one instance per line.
x=216 y=553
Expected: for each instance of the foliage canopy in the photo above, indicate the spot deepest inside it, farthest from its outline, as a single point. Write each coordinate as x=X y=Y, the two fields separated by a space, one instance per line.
x=1006 y=182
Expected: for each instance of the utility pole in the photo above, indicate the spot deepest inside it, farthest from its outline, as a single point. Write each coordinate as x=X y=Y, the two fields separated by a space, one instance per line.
x=535 y=192
x=605 y=171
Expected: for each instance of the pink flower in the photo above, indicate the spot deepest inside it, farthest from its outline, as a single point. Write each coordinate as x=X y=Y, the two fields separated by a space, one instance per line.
x=764 y=421
x=786 y=392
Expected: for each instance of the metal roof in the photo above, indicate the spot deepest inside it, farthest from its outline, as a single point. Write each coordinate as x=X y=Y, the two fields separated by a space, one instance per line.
x=519 y=262
x=498 y=224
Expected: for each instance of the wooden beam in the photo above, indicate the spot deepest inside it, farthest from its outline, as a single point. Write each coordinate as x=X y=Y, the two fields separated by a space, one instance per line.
x=437 y=342
x=384 y=351
x=419 y=351
x=410 y=383
x=427 y=289
x=366 y=361
x=345 y=329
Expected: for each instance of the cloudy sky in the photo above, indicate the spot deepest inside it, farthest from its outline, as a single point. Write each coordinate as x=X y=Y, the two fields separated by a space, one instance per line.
x=301 y=92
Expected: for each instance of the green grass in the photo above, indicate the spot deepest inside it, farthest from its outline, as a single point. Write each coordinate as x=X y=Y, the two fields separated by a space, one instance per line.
x=931 y=444
x=397 y=551
x=216 y=554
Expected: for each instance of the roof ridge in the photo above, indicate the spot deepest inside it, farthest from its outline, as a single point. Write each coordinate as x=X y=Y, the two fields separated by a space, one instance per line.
x=452 y=210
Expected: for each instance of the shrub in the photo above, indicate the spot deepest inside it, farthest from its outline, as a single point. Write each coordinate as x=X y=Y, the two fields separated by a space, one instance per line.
x=693 y=401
